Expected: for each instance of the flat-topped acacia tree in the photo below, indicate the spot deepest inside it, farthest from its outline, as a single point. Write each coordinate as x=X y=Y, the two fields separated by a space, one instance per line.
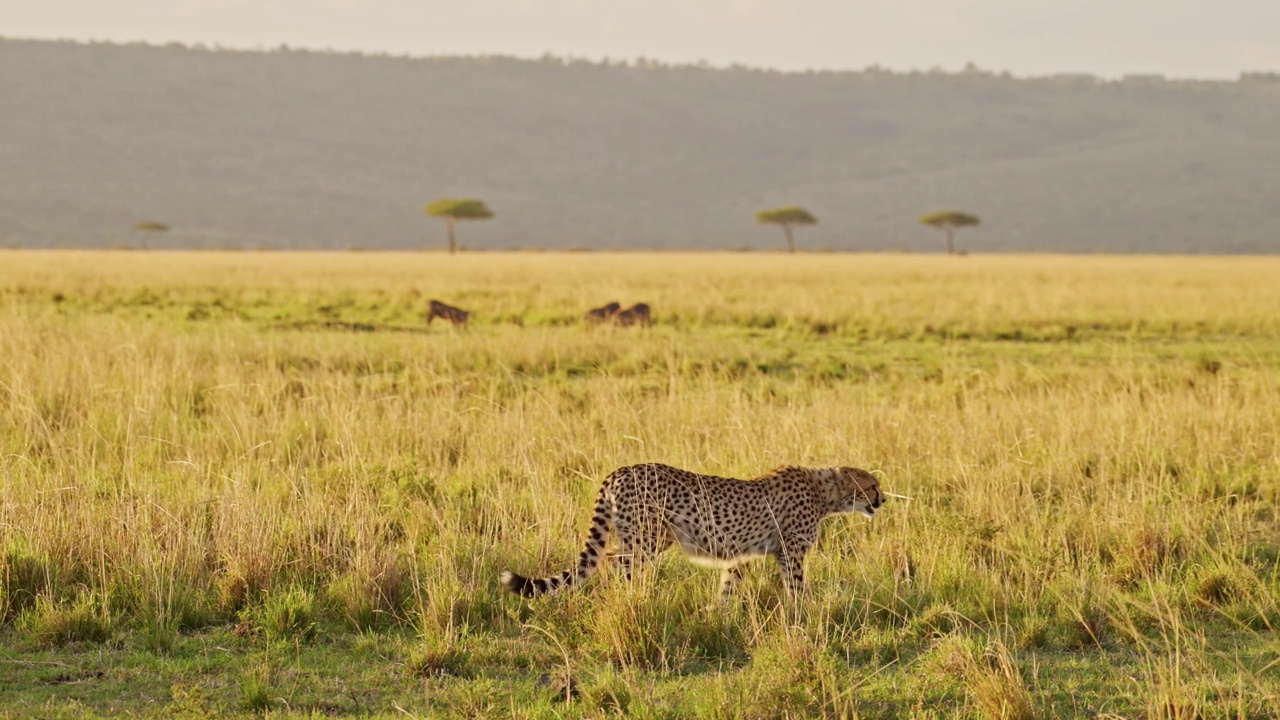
x=786 y=217
x=949 y=221
x=455 y=210
x=149 y=227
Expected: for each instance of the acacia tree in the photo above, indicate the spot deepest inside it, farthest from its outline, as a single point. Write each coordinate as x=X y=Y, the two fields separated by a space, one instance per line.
x=949 y=221
x=786 y=217
x=149 y=227
x=455 y=210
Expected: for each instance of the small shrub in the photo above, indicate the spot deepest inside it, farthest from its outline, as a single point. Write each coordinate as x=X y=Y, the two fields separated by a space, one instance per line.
x=949 y=657
x=193 y=612
x=1171 y=695
x=643 y=629
x=936 y=621
x=794 y=676
x=996 y=687
x=257 y=690
x=608 y=692
x=1263 y=617
x=160 y=637
x=84 y=620
x=22 y=580
x=233 y=592
x=1218 y=587
x=1144 y=553
x=367 y=602
x=289 y=615
x=1085 y=624
x=1264 y=558
x=188 y=702
x=1034 y=633
x=638 y=631
x=439 y=660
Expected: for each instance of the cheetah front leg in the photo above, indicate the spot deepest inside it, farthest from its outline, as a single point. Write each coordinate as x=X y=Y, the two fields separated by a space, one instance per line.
x=791 y=562
x=792 y=573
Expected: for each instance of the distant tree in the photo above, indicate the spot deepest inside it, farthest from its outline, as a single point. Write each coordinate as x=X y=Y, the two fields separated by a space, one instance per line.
x=150 y=227
x=455 y=210
x=786 y=217
x=949 y=221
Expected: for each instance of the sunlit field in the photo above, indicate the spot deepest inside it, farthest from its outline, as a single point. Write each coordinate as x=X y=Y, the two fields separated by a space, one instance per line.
x=237 y=483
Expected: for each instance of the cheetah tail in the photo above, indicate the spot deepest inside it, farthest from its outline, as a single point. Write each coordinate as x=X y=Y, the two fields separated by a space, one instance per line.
x=588 y=561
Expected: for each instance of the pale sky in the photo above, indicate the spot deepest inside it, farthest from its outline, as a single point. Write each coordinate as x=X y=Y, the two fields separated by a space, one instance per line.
x=1179 y=38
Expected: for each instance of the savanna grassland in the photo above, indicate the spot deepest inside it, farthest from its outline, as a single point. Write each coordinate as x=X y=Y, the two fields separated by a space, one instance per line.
x=236 y=483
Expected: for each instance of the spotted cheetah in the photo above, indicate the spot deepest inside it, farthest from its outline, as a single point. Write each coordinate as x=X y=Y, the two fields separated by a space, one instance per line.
x=718 y=522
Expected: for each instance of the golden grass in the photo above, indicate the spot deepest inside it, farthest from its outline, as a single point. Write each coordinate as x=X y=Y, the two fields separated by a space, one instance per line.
x=194 y=439
x=878 y=292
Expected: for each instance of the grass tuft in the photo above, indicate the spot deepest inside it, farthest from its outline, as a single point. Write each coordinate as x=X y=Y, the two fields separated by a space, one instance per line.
x=1218 y=587
x=160 y=637
x=84 y=619
x=286 y=615
x=22 y=580
x=1035 y=633
x=440 y=659
x=1085 y=623
x=257 y=687
x=936 y=621
x=996 y=686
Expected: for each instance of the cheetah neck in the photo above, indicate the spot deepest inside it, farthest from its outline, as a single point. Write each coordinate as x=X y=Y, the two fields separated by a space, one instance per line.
x=827 y=483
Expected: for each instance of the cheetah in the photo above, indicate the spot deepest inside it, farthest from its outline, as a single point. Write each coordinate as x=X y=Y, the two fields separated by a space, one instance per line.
x=718 y=522
x=437 y=309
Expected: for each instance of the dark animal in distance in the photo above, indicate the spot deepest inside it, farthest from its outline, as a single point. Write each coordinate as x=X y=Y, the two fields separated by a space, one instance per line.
x=637 y=314
x=602 y=313
x=437 y=309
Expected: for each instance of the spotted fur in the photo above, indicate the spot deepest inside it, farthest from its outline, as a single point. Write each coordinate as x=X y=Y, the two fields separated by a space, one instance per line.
x=716 y=521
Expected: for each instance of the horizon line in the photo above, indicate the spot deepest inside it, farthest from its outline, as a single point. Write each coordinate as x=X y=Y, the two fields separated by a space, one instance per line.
x=970 y=68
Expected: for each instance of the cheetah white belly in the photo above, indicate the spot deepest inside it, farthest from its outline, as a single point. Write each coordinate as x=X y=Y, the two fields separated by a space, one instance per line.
x=708 y=561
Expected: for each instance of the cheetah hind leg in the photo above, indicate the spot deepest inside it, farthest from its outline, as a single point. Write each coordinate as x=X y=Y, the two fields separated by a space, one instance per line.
x=636 y=547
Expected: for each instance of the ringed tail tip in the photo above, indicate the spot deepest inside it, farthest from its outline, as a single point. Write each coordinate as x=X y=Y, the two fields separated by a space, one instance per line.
x=518 y=584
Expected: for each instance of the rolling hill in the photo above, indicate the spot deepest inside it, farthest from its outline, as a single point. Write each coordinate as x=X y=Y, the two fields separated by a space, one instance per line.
x=289 y=149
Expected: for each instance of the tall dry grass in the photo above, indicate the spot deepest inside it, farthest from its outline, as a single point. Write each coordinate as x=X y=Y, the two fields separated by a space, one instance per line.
x=1088 y=445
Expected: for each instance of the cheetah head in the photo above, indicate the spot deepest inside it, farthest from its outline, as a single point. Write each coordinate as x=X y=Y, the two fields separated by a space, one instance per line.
x=859 y=491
